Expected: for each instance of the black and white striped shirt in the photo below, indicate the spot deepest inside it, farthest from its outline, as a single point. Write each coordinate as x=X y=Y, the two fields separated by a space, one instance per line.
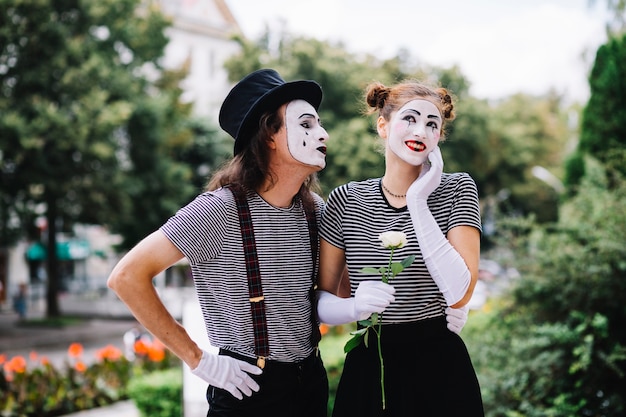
x=357 y=212
x=207 y=232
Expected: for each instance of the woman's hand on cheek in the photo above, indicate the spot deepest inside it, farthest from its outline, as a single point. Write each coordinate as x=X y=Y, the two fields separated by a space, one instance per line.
x=429 y=178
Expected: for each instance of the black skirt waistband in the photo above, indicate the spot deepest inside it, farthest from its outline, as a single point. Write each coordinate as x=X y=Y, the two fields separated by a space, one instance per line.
x=414 y=331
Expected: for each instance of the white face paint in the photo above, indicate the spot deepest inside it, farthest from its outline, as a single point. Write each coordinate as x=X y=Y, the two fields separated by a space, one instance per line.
x=414 y=131
x=305 y=135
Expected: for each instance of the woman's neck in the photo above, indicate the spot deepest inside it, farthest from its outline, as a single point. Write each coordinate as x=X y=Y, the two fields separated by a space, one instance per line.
x=399 y=176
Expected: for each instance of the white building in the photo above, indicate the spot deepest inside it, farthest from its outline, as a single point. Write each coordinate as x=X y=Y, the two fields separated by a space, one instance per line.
x=201 y=36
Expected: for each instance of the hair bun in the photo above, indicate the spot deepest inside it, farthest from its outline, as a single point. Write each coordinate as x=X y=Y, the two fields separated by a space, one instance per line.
x=377 y=95
x=446 y=104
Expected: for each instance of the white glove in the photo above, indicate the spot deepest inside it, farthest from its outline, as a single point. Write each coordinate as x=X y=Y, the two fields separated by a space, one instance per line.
x=370 y=297
x=228 y=373
x=444 y=263
x=456 y=318
x=429 y=178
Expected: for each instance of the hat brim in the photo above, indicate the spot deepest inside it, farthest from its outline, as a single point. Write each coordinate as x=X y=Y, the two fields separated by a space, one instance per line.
x=307 y=90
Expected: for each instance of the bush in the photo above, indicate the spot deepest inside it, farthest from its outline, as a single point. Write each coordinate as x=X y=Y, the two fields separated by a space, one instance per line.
x=556 y=344
x=158 y=394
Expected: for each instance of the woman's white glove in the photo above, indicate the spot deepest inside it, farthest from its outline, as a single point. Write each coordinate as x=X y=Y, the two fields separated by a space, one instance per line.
x=456 y=318
x=228 y=373
x=444 y=263
x=370 y=297
x=429 y=178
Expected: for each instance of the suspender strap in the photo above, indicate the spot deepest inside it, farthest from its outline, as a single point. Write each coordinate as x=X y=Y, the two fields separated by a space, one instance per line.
x=313 y=237
x=255 y=289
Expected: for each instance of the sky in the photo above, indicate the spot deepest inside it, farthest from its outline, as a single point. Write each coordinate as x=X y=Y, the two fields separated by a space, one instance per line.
x=501 y=46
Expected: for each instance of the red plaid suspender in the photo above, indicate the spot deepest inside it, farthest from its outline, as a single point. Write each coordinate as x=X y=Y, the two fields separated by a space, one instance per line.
x=312 y=222
x=255 y=289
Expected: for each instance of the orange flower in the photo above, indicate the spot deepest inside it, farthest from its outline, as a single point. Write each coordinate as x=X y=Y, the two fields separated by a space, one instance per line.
x=44 y=360
x=33 y=356
x=17 y=364
x=141 y=348
x=323 y=329
x=156 y=354
x=80 y=366
x=108 y=352
x=3 y=358
x=75 y=350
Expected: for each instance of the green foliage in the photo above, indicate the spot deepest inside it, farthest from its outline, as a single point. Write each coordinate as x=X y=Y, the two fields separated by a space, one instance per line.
x=170 y=154
x=158 y=394
x=525 y=132
x=355 y=153
x=603 y=129
x=574 y=170
x=557 y=345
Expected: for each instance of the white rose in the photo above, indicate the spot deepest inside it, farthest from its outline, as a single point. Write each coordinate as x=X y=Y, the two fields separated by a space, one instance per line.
x=393 y=240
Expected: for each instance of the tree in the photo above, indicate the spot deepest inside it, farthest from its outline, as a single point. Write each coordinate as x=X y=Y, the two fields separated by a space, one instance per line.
x=603 y=128
x=170 y=154
x=71 y=75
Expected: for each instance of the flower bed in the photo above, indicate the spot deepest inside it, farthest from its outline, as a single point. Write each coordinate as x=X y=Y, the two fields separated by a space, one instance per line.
x=34 y=387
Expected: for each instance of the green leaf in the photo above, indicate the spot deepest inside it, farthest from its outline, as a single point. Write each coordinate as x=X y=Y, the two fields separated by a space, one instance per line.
x=396 y=268
x=406 y=262
x=371 y=270
x=359 y=332
x=353 y=342
x=365 y=323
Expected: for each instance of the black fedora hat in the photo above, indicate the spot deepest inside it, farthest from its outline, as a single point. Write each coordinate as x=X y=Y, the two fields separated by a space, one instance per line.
x=259 y=92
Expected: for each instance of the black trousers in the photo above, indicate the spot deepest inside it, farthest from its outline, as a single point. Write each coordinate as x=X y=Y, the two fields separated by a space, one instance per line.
x=428 y=373
x=286 y=390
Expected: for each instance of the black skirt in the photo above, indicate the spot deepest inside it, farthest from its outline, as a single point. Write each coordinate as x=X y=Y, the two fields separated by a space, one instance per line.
x=428 y=372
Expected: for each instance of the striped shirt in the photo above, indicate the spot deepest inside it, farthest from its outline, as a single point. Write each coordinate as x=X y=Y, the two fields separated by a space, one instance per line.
x=357 y=212
x=207 y=232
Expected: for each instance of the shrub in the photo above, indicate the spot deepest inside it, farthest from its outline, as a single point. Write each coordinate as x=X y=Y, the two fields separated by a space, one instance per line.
x=556 y=344
x=158 y=394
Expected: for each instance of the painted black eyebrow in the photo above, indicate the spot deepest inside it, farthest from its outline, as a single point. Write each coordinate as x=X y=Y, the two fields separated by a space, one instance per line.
x=310 y=115
x=430 y=116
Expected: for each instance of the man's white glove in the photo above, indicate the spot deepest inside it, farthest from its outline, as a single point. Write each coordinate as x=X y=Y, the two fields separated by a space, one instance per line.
x=228 y=373
x=370 y=297
x=444 y=263
x=456 y=318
